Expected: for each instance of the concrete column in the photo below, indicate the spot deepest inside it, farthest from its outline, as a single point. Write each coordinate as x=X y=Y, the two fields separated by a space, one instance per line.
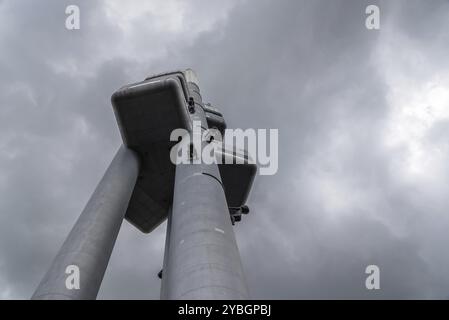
x=202 y=259
x=89 y=245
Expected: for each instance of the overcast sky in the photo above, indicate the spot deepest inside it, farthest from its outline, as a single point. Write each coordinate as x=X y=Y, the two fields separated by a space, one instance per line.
x=363 y=119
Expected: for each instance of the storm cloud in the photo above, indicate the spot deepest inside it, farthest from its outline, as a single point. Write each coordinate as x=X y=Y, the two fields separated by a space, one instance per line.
x=363 y=119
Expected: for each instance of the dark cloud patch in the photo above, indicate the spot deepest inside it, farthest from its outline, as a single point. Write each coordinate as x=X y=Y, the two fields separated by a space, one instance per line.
x=341 y=200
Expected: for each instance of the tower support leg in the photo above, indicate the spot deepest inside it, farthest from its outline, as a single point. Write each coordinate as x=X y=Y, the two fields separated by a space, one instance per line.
x=86 y=251
x=202 y=259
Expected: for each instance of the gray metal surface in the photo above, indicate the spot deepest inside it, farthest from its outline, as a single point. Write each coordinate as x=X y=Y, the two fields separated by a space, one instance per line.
x=90 y=243
x=202 y=259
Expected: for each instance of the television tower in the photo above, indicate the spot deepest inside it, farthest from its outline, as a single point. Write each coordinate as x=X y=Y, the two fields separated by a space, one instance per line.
x=142 y=184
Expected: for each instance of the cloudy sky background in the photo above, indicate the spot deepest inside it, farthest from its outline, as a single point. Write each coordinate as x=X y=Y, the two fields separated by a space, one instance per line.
x=363 y=119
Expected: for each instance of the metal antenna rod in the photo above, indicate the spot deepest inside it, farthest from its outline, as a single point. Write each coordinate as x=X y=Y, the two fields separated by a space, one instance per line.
x=89 y=245
x=202 y=260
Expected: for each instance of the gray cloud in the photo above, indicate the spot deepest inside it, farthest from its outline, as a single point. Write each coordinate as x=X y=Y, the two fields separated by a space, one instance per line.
x=362 y=169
